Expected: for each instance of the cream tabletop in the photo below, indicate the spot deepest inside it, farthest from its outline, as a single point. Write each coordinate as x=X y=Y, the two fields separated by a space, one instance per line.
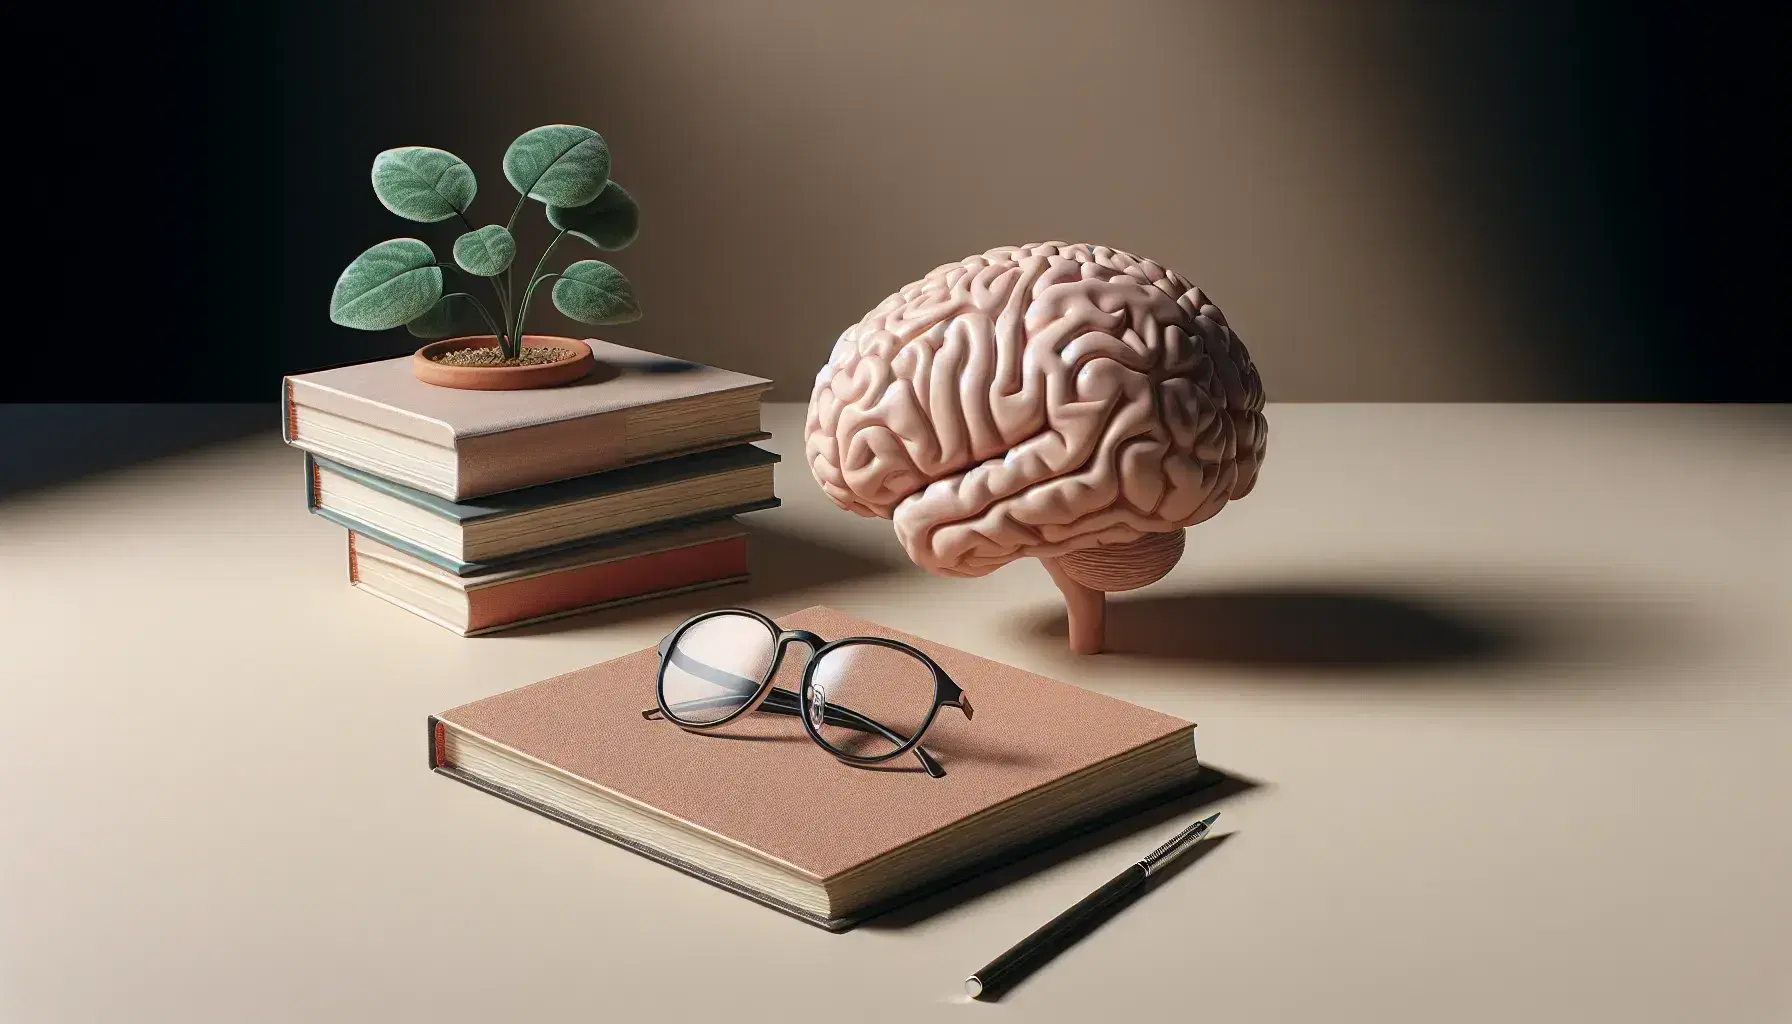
x=1506 y=690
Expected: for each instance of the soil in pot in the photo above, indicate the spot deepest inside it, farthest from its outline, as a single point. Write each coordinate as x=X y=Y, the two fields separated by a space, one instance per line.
x=494 y=356
x=477 y=364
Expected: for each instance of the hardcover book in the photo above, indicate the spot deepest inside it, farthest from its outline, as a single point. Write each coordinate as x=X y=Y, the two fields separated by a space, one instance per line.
x=378 y=417
x=782 y=822
x=576 y=580
x=504 y=530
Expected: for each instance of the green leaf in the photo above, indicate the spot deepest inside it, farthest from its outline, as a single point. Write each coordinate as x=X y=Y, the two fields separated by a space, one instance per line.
x=559 y=164
x=423 y=184
x=486 y=252
x=387 y=285
x=611 y=221
x=452 y=314
x=593 y=292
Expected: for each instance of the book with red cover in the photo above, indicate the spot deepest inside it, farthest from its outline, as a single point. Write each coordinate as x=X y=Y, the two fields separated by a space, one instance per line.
x=563 y=583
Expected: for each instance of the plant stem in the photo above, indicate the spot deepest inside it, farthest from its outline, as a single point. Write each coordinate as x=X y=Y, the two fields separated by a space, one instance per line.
x=535 y=278
x=510 y=297
x=500 y=290
x=529 y=296
x=503 y=306
x=510 y=225
x=514 y=322
x=486 y=314
x=497 y=331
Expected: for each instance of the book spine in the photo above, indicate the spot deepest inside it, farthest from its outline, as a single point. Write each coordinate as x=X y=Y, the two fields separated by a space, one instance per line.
x=354 y=560
x=314 y=484
x=289 y=416
x=438 y=744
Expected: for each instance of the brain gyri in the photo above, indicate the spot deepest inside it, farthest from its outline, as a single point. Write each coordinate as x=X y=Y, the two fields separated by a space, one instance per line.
x=1033 y=401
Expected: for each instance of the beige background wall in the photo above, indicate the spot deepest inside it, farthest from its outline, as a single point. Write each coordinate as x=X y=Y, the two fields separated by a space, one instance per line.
x=863 y=144
x=797 y=161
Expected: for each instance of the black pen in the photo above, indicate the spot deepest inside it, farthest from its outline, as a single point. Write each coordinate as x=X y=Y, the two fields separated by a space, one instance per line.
x=1013 y=965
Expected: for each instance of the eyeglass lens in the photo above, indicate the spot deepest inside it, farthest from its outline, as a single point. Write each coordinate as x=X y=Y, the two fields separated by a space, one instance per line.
x=866 y=700
x=715 y=668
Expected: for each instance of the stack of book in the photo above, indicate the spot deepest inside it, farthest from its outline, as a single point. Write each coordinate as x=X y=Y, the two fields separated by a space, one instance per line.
x=482 y=510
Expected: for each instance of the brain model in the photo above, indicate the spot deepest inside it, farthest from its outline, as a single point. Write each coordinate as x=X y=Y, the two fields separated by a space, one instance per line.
x=1071 y=403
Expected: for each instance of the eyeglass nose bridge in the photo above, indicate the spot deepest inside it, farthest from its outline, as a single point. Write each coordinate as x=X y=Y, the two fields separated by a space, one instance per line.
x=800 y=636
x=787 y=637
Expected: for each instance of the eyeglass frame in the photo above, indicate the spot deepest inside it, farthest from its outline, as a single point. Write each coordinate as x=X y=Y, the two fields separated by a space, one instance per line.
x=946 y=692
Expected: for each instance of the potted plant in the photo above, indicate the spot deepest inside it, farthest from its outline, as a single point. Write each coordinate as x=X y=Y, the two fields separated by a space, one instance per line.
x=401 y=282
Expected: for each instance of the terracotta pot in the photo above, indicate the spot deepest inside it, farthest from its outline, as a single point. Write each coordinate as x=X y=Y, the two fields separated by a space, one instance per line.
x=577 y=364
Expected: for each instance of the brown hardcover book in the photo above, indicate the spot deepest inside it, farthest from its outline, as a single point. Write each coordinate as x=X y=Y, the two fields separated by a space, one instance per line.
x=564 y=583
x=378 y=417
x=782 y=822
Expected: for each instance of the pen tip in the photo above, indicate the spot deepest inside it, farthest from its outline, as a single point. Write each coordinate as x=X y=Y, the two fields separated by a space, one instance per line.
x=1210 y=818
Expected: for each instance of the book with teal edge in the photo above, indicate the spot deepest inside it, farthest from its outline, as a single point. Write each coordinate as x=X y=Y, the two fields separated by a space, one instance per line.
x=687 y=472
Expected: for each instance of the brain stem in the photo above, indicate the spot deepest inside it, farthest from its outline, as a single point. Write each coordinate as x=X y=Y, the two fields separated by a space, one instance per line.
x=1086 y=607
x=1086 y=578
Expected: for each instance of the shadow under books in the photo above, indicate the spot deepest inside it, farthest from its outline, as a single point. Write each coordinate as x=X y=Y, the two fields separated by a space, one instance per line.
x=1209 y=787
x=1380 y=625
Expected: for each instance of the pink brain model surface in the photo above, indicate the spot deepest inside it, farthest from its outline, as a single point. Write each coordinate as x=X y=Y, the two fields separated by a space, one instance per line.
x=1072 y=403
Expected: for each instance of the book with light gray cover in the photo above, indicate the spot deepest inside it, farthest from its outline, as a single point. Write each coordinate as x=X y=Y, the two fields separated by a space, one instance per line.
x=636 y=407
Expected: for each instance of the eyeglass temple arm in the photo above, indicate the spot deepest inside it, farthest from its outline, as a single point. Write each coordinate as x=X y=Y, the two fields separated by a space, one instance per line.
x=782 y=702
x=774 y=704
x=779 y=701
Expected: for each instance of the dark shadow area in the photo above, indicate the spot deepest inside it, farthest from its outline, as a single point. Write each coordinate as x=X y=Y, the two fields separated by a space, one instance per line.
x=1210 y=787
x=665 y=365
x=1297 y=628
x=1612 y=161
x=1386 y=625
x=1049 y=952
x=901 y=766
x=601 y=372
x=1548 y=126
x=779 y=564
x=52 y=444
x=1772 y=420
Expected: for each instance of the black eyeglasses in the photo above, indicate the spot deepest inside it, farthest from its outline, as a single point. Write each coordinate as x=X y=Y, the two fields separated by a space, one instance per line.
x=864 y=699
